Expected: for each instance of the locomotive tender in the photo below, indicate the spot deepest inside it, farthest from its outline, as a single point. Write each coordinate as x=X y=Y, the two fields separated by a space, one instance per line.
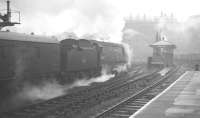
x=31 y=58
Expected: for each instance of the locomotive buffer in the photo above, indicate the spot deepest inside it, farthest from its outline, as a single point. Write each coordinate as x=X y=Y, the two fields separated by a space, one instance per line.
x=6 y=18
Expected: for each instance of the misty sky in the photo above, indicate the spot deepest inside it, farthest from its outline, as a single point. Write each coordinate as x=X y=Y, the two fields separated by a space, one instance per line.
x=103 y=17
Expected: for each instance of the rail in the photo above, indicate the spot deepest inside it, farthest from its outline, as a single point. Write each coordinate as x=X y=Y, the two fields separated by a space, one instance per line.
x=135 y=97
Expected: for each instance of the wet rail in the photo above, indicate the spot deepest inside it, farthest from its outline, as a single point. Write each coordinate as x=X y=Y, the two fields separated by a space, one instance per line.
x=132 y=104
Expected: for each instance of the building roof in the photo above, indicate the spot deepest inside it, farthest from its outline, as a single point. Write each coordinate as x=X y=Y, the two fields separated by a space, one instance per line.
x=162 y=43
x=26 y=37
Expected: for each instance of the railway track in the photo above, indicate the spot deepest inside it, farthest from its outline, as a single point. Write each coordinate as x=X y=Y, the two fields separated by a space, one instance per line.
x=132 y=104
x=71 y=104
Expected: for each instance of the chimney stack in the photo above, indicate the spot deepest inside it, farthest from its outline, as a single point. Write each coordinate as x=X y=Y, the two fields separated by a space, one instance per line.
x=8 y=11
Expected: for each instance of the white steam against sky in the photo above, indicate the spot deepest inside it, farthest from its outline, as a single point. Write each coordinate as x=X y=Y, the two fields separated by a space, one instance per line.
x=50 y=17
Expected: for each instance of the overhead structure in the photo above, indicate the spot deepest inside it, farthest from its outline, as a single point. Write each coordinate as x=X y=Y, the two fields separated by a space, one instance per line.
x=6 y=18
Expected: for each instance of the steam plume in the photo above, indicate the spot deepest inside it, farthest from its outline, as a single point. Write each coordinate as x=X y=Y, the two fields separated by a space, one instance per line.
x=86 y=82
x=129 y=53
x=79 y=16
x=52 y=89
x=183 y=34
x=45 y=91
x=121 y=68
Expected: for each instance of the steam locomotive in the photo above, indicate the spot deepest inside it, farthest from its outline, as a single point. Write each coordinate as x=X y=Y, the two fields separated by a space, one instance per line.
x=31 y=58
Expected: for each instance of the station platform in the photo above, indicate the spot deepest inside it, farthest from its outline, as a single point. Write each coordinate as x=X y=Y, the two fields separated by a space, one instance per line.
x=180 y=100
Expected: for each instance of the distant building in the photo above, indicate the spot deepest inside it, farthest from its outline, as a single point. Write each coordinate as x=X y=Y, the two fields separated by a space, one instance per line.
x=140 y=32
x=148 y=26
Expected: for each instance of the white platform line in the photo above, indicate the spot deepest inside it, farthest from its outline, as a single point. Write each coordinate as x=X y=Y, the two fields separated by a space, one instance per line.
x=140 y=110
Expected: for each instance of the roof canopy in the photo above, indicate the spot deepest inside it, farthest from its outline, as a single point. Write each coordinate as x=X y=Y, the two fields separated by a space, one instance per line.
x=163 y=43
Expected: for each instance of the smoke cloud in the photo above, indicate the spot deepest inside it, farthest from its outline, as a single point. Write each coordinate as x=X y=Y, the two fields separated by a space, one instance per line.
x=139 y=46
x=121 y=68
x=185 y=35
x=45 y=91
x=49 y=17
x=129 y=53
x=79 y=16
x=51 y=89
x=86 y=82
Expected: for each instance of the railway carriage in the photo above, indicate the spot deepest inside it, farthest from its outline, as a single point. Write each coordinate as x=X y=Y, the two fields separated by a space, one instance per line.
x=26 y=58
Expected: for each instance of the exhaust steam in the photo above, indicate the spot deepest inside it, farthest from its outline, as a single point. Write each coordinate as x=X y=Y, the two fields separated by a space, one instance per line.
x=121 y=68
x=129 y=53
x=52 y=89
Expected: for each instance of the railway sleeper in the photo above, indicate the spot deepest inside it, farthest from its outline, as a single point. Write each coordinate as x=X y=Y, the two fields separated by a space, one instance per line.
x=149 y=96
x=123 y=112
x=140 y=102
x=117 y=115
x=131 y=109
x=142 y=99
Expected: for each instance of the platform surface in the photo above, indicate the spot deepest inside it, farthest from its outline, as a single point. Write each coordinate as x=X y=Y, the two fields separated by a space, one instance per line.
x=179 y=100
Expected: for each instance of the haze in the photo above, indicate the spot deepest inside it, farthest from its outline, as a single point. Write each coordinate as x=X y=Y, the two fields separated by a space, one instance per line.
x=102 y=17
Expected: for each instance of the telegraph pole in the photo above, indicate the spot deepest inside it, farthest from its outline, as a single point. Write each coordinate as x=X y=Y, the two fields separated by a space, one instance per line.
x=6 y=18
